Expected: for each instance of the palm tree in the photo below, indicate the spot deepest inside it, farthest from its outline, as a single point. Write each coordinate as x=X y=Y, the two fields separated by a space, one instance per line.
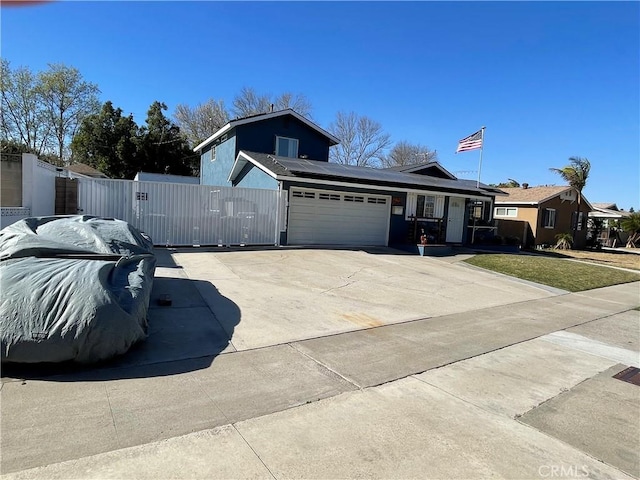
x=576 y=175
x=631 y=224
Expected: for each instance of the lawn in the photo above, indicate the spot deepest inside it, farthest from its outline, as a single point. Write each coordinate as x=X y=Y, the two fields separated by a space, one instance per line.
x=612 y=258
x=555 y=272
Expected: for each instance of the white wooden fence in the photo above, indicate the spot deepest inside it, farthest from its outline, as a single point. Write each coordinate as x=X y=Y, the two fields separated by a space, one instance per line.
x=179 y=214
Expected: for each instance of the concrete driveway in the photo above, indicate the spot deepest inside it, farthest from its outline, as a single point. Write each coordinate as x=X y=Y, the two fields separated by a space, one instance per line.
x=295 y=294
x=303 y=363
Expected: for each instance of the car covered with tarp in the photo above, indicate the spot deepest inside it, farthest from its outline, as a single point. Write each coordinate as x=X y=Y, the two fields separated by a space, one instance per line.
x=74 y=288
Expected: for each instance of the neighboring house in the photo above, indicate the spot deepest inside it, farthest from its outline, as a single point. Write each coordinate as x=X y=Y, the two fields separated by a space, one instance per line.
x=165 y=177
x=86 y=170
x=609 y=215
x=537 y=214
x=334 y=204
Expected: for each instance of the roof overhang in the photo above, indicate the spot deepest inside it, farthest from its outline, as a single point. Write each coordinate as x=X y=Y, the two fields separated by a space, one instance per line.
x=241 y=161
x=333 y=140
x=368 y=186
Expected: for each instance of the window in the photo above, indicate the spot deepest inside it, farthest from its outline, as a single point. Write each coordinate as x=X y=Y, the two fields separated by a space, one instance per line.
x=505 y=212
x=426 y=206
x=328 y=196
x=213 y=153
x=299 y=194
x=287 y=147
x=353 y=198
x=549 y=218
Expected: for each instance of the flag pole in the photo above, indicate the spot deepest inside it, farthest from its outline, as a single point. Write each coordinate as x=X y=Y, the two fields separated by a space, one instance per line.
x=480 y=164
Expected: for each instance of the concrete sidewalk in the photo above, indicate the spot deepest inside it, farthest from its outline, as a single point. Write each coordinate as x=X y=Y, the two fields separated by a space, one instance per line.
x=460 y=395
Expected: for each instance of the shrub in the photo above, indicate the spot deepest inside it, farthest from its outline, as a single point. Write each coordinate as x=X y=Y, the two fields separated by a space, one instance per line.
x=564 y=241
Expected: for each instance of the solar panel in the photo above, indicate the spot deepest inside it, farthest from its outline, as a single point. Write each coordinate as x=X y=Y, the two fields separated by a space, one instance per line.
x=306 y=167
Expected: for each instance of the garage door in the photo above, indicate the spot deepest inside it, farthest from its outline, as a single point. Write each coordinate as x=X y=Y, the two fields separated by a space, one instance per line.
x=321 y=217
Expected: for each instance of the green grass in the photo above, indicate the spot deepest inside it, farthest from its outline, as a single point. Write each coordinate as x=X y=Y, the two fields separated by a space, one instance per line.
x=555 y=272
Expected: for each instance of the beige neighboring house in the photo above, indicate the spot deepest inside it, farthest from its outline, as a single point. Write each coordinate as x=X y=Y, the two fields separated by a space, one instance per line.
x=537 y=214
x=86 y=170
x=610 y=235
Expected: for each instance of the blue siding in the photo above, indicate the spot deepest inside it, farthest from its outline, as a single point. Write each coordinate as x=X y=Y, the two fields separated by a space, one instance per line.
x=261 y=137
x=253 y=177
x=217 y=172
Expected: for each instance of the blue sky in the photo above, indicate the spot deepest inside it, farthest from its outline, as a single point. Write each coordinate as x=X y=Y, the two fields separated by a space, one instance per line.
x=549 y=80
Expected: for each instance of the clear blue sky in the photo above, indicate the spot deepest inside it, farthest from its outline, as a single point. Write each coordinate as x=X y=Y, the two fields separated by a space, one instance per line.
x=549 y=80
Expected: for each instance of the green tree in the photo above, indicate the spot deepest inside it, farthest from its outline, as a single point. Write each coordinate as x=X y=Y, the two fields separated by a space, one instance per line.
x=511 y=183
x=67 y=100
x=406 y=153
x=162 y=148
x=108 y=141
x=22 y=114
x=576 y=175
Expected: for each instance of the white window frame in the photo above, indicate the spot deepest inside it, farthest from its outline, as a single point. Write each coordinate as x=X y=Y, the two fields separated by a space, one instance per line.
x=508 y=212
x=213 y=153
x=429 y=200
x=552 y=218
x=289 y=150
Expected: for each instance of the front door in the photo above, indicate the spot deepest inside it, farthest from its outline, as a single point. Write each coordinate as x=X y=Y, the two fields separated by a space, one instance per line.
x=455 y=220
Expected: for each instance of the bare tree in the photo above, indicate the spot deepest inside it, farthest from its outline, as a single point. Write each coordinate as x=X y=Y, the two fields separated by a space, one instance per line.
x=248 y=102
x=405 y=153
x=200 y=122
x=22 y=114
x=298 y=102
x=362 y=140
x=67 y=99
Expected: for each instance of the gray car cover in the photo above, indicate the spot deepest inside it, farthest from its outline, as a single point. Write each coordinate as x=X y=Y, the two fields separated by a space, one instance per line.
x=73 y=288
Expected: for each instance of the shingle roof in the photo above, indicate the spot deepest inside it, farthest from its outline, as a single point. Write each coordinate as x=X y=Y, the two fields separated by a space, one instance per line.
x=300 y=168
x=531 y=194
x=608 y=206
x=84 y=169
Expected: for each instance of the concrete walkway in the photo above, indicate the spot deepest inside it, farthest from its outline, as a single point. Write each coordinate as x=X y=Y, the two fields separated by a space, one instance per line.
x=514 y=390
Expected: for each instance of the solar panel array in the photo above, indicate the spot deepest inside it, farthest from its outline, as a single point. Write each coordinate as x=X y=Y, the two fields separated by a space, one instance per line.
x=304 y=168
x=371 y=174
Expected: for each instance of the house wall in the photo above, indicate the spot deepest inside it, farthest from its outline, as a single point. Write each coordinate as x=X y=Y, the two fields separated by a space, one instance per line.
x=509 y=226
x=261 y=137
x=534 y=216
x=38 y=191
x=252 y=177
x=402 y=229
x=216 y=172
x=564 y=212
x=520 y=229
x=11 y=178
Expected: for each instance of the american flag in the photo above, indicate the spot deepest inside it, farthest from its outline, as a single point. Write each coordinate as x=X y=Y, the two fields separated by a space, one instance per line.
x=472 y=142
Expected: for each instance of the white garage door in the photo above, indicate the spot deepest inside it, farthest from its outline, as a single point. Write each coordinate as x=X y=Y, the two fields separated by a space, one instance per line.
x=321 y=217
